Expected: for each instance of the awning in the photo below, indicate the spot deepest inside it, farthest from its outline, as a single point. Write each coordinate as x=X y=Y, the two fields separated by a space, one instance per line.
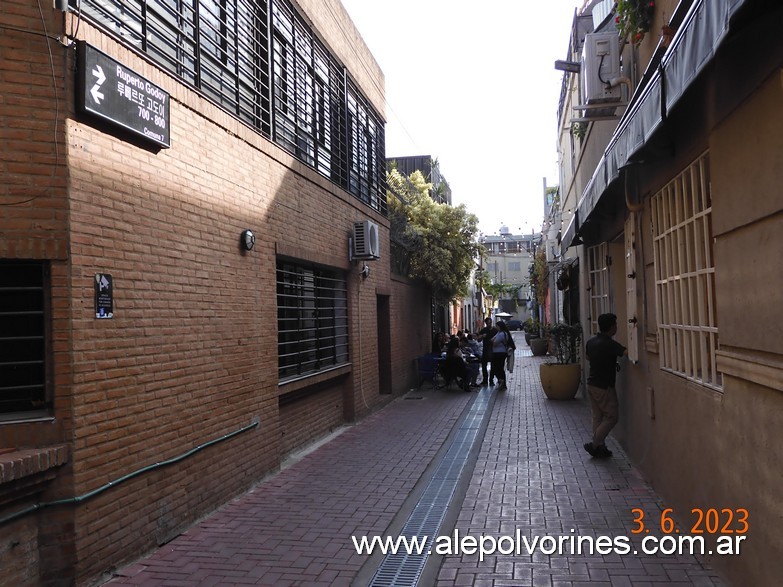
x=704 y=27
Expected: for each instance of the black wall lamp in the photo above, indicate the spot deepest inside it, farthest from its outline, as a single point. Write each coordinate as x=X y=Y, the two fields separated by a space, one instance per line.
x=247 y=240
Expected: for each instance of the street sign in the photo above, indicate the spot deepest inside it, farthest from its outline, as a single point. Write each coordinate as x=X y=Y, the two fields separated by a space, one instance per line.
x=113 y=92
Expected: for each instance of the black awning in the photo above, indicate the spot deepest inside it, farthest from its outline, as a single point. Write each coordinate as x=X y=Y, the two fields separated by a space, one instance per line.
x=704 y=27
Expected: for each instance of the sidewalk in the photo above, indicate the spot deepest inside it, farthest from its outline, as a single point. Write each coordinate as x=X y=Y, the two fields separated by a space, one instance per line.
x=526 y=472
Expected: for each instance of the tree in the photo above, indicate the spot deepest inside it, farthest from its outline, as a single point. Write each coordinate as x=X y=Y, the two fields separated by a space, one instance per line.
x=440 y=239
x=498 y=290
x=539 y=277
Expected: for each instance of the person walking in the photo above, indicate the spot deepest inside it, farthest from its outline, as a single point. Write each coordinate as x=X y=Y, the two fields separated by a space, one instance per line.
x=500 y=345
x=485 y=337
x=602 y=353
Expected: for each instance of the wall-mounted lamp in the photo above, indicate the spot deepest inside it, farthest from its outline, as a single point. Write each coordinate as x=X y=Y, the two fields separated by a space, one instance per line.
x=569 y=66
x=247 y=240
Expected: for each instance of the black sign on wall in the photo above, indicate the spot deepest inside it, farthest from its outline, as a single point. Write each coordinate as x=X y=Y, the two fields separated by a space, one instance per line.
x=108 y=89
x=104 y=296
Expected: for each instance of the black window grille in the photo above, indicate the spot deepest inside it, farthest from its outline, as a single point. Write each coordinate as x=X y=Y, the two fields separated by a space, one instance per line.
x=365 y=144
x=312 y=319
x=285 y=84
x=23 y=316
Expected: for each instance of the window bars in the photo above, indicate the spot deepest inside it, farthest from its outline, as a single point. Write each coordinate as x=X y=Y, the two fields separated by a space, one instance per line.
x=23 y=293
x=312 y=319
x=685 y=275
x=259 y=60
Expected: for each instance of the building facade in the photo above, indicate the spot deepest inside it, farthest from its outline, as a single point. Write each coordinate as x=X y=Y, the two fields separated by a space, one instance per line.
x=430 y=169
x=508 y=260
x=182 y=294
x=671 y=207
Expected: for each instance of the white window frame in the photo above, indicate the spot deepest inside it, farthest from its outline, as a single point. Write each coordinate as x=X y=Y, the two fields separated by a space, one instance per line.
x=598 y=283
x=685 y=276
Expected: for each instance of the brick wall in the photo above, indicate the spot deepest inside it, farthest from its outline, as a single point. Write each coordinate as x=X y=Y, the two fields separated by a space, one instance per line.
x=304 y=420
x=19 y=553
x=190 y=355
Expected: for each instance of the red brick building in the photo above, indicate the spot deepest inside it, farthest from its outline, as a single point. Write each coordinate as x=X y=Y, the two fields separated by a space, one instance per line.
x=151 y=367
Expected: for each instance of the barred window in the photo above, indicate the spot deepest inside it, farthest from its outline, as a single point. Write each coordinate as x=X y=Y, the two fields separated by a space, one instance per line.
x=297 y=97
x=366 y=165
x=312 y=319
x=309 y=89
x=685 y=276
x=23 y=292
x=171 y=39
x=598 y=286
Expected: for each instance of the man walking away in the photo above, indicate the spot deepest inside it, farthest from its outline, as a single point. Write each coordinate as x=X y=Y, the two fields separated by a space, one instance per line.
x=602 y=352
x=485 y=337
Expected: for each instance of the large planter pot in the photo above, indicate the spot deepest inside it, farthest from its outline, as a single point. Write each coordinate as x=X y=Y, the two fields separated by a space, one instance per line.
x=539 y=346
x=560 y=381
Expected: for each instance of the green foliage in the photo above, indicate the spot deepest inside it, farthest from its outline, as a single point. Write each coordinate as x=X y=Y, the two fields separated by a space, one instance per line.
x=482 y=278
x=532 y=326
x=634 y=18
x=498 y=290
x=539 y=278
x=440 y=239
x=565 y=339
x=579 y=130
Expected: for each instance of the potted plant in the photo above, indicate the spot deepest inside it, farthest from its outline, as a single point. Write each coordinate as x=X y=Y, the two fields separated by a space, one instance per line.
x=531 y=328
x=538 y=344
x=634 y=18
x=560 y=379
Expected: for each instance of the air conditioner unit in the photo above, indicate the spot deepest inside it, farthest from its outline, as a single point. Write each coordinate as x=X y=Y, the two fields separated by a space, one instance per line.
x=600 y=65
x=366 y=241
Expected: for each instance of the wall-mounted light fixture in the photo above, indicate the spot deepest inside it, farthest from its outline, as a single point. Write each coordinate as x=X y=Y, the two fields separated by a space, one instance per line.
x=247 y=240
x=569 y=66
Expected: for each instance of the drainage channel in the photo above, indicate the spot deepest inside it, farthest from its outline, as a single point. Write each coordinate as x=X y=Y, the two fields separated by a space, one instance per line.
x=403 y=568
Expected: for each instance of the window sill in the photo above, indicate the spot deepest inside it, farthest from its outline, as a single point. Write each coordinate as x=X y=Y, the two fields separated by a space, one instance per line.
x=751 y=366
x=23 y=465
x=26 y=473
x=304 y=381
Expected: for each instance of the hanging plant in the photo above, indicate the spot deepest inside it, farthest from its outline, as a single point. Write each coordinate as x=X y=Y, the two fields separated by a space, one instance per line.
x=579 y=130
x=634 y=18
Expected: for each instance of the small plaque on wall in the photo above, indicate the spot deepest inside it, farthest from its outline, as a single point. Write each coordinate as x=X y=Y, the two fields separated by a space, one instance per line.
x=104 y=296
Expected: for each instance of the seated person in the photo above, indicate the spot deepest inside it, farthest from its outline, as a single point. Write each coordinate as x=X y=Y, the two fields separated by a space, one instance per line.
x=455 y=367
x=471 y=352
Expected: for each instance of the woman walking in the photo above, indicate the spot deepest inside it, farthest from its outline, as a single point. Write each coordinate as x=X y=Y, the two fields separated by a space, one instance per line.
x=500 y=345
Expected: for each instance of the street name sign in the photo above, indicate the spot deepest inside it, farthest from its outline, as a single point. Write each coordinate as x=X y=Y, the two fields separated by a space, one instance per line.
x=117 y=94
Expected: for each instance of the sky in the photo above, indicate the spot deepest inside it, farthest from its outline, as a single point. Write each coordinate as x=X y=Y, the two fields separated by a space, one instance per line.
x=473 y=84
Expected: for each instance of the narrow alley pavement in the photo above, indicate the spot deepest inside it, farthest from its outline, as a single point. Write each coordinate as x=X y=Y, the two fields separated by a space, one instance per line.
x=501 y=464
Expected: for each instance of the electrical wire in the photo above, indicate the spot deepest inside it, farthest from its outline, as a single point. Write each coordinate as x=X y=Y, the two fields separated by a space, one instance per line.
x=56 y=102
x=359 y=351
x=373 y=80
x=72 y=36
x=90 y=494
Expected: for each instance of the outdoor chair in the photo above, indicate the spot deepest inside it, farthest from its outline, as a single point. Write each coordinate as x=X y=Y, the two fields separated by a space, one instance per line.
x=429 y=369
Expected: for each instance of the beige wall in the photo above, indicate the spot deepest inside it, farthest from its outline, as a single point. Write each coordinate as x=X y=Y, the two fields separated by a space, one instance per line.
x=721 y=449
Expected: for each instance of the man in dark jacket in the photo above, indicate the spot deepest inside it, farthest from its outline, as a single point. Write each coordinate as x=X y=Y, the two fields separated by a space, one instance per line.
x=485 y=337
x=602 y=352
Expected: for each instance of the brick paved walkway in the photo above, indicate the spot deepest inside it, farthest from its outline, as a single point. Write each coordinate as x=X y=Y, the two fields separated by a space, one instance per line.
x=530 y=474
x=533 y=475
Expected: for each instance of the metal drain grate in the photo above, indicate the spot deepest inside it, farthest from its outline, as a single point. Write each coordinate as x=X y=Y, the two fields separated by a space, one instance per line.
x=403 y=568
